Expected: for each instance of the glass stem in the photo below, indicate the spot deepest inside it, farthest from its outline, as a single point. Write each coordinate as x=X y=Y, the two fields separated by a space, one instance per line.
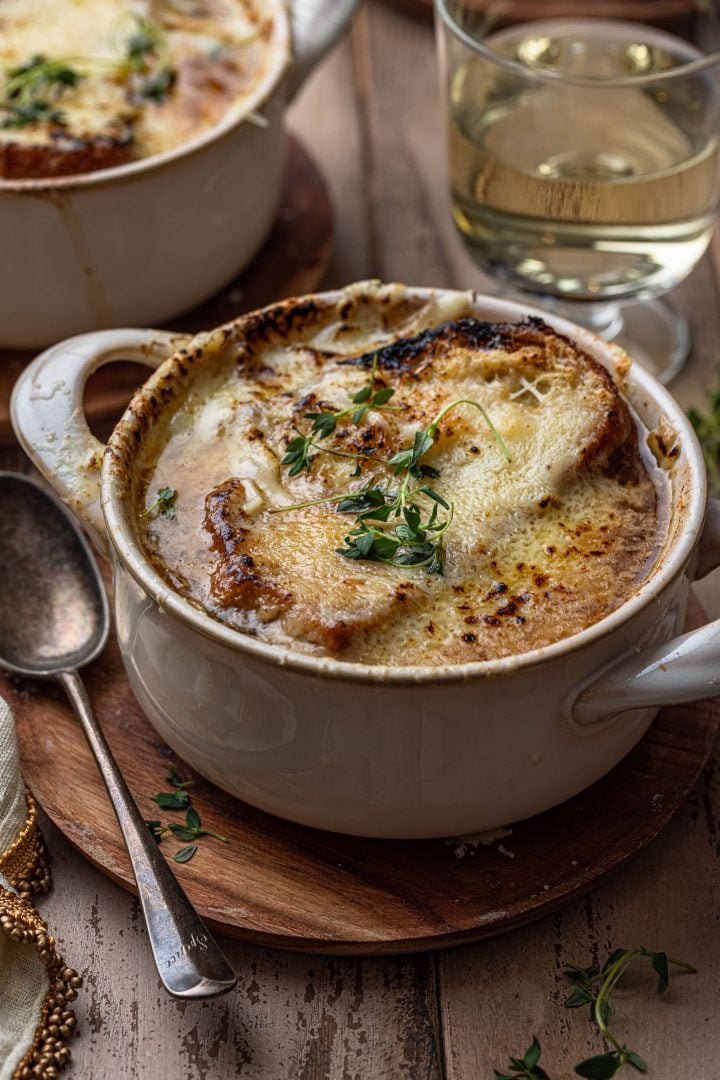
x=603 y=319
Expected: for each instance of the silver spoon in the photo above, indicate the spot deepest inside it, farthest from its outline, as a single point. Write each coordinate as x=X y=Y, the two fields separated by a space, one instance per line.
x=54 y=619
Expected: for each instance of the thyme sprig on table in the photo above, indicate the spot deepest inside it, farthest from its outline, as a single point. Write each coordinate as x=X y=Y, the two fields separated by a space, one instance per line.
x=417 y=538
x=707 y=429
x=32 y=90
x=298 y=455
x=594 y=987
x=526 y=1067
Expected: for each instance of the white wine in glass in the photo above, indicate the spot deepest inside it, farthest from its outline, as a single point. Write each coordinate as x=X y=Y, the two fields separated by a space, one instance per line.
x=585 y=167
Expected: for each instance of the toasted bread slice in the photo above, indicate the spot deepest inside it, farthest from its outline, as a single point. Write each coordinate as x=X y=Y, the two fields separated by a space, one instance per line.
x=63 y=154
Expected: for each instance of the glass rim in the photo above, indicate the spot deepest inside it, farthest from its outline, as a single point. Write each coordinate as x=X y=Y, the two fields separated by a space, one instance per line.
x=701 y=63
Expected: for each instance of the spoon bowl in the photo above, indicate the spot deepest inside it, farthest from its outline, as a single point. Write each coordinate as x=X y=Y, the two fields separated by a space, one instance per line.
x=54 y=618
x=54 y=612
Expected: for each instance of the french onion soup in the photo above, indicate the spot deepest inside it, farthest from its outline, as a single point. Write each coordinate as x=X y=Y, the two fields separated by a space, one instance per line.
x=388 y=480
x=89 y=84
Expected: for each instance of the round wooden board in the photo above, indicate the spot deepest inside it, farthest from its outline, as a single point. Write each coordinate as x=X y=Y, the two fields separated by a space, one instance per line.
x=285 y=885
x=292 y=262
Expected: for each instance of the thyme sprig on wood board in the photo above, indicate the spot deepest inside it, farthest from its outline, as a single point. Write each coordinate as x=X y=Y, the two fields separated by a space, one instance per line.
x=417 y=537
x=147 y=57
x=164 y=504
x=191 y=829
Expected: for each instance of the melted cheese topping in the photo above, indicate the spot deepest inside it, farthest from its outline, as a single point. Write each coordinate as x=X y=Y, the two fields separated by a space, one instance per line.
x=539 y=548
x=218 y=51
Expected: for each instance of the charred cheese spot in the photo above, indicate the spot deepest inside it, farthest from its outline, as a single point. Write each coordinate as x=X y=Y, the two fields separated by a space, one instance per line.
x=539 y=548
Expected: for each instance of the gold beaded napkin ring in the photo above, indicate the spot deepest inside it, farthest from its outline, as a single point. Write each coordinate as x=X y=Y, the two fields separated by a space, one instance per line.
x=25 y=866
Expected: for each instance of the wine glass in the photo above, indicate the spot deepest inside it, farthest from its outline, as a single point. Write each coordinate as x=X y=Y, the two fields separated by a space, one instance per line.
x=584 y=161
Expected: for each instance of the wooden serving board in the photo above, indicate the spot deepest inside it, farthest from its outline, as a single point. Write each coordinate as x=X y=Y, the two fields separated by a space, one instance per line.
x=286 y=885
x=292 y=262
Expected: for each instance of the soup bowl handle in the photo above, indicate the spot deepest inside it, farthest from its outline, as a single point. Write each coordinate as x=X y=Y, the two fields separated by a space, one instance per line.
x=49 y=420
x=316 y=26
x=684 y=669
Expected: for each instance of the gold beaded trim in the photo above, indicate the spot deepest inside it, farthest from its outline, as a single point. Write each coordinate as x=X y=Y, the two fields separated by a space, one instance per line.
x=49 y=1052
x=25 y=863
x=25 y=866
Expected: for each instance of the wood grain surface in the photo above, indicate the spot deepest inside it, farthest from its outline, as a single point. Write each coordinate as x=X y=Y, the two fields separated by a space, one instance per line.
x=372 y=118
x=281 y=884
x=292 y=262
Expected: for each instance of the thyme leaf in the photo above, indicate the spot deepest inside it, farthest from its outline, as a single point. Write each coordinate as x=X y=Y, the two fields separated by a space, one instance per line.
x=192 y=829
x=164 y=504
x=526 y=1067
x=171 y=800
x=185 y=854
x=174 y=778
x=158 y=86
x=297 y=455
x=157 y=829
x=143 y=44
x=707 y=429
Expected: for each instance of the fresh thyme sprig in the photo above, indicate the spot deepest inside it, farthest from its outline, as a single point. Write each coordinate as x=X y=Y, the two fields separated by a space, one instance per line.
x=418 y=539
x=324 y=423
x=146 y=54
x=171 y=800
x=594 y=987
x=526 y=1067
x=412 y=542
x=145 y=42
x=174 y=778
x=32 y=89
x=191 y=829
x=164 y=504
x=157 y=829
x=707 y=429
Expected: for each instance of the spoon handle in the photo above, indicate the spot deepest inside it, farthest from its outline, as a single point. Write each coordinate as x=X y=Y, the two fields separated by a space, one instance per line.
x=189 y=962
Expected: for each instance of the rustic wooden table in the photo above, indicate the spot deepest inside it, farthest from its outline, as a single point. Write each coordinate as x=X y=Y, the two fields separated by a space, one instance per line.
x=372 y=117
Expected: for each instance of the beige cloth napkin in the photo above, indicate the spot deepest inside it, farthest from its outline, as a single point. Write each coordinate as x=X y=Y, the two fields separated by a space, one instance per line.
x=36 y=987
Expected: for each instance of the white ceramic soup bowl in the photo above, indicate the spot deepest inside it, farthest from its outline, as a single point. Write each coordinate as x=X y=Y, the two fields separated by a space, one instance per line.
x=390 y=752
x=142 y=242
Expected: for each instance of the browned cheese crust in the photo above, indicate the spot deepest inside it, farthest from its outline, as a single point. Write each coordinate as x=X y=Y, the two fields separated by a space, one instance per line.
x=538 y=549
x=215 y=51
